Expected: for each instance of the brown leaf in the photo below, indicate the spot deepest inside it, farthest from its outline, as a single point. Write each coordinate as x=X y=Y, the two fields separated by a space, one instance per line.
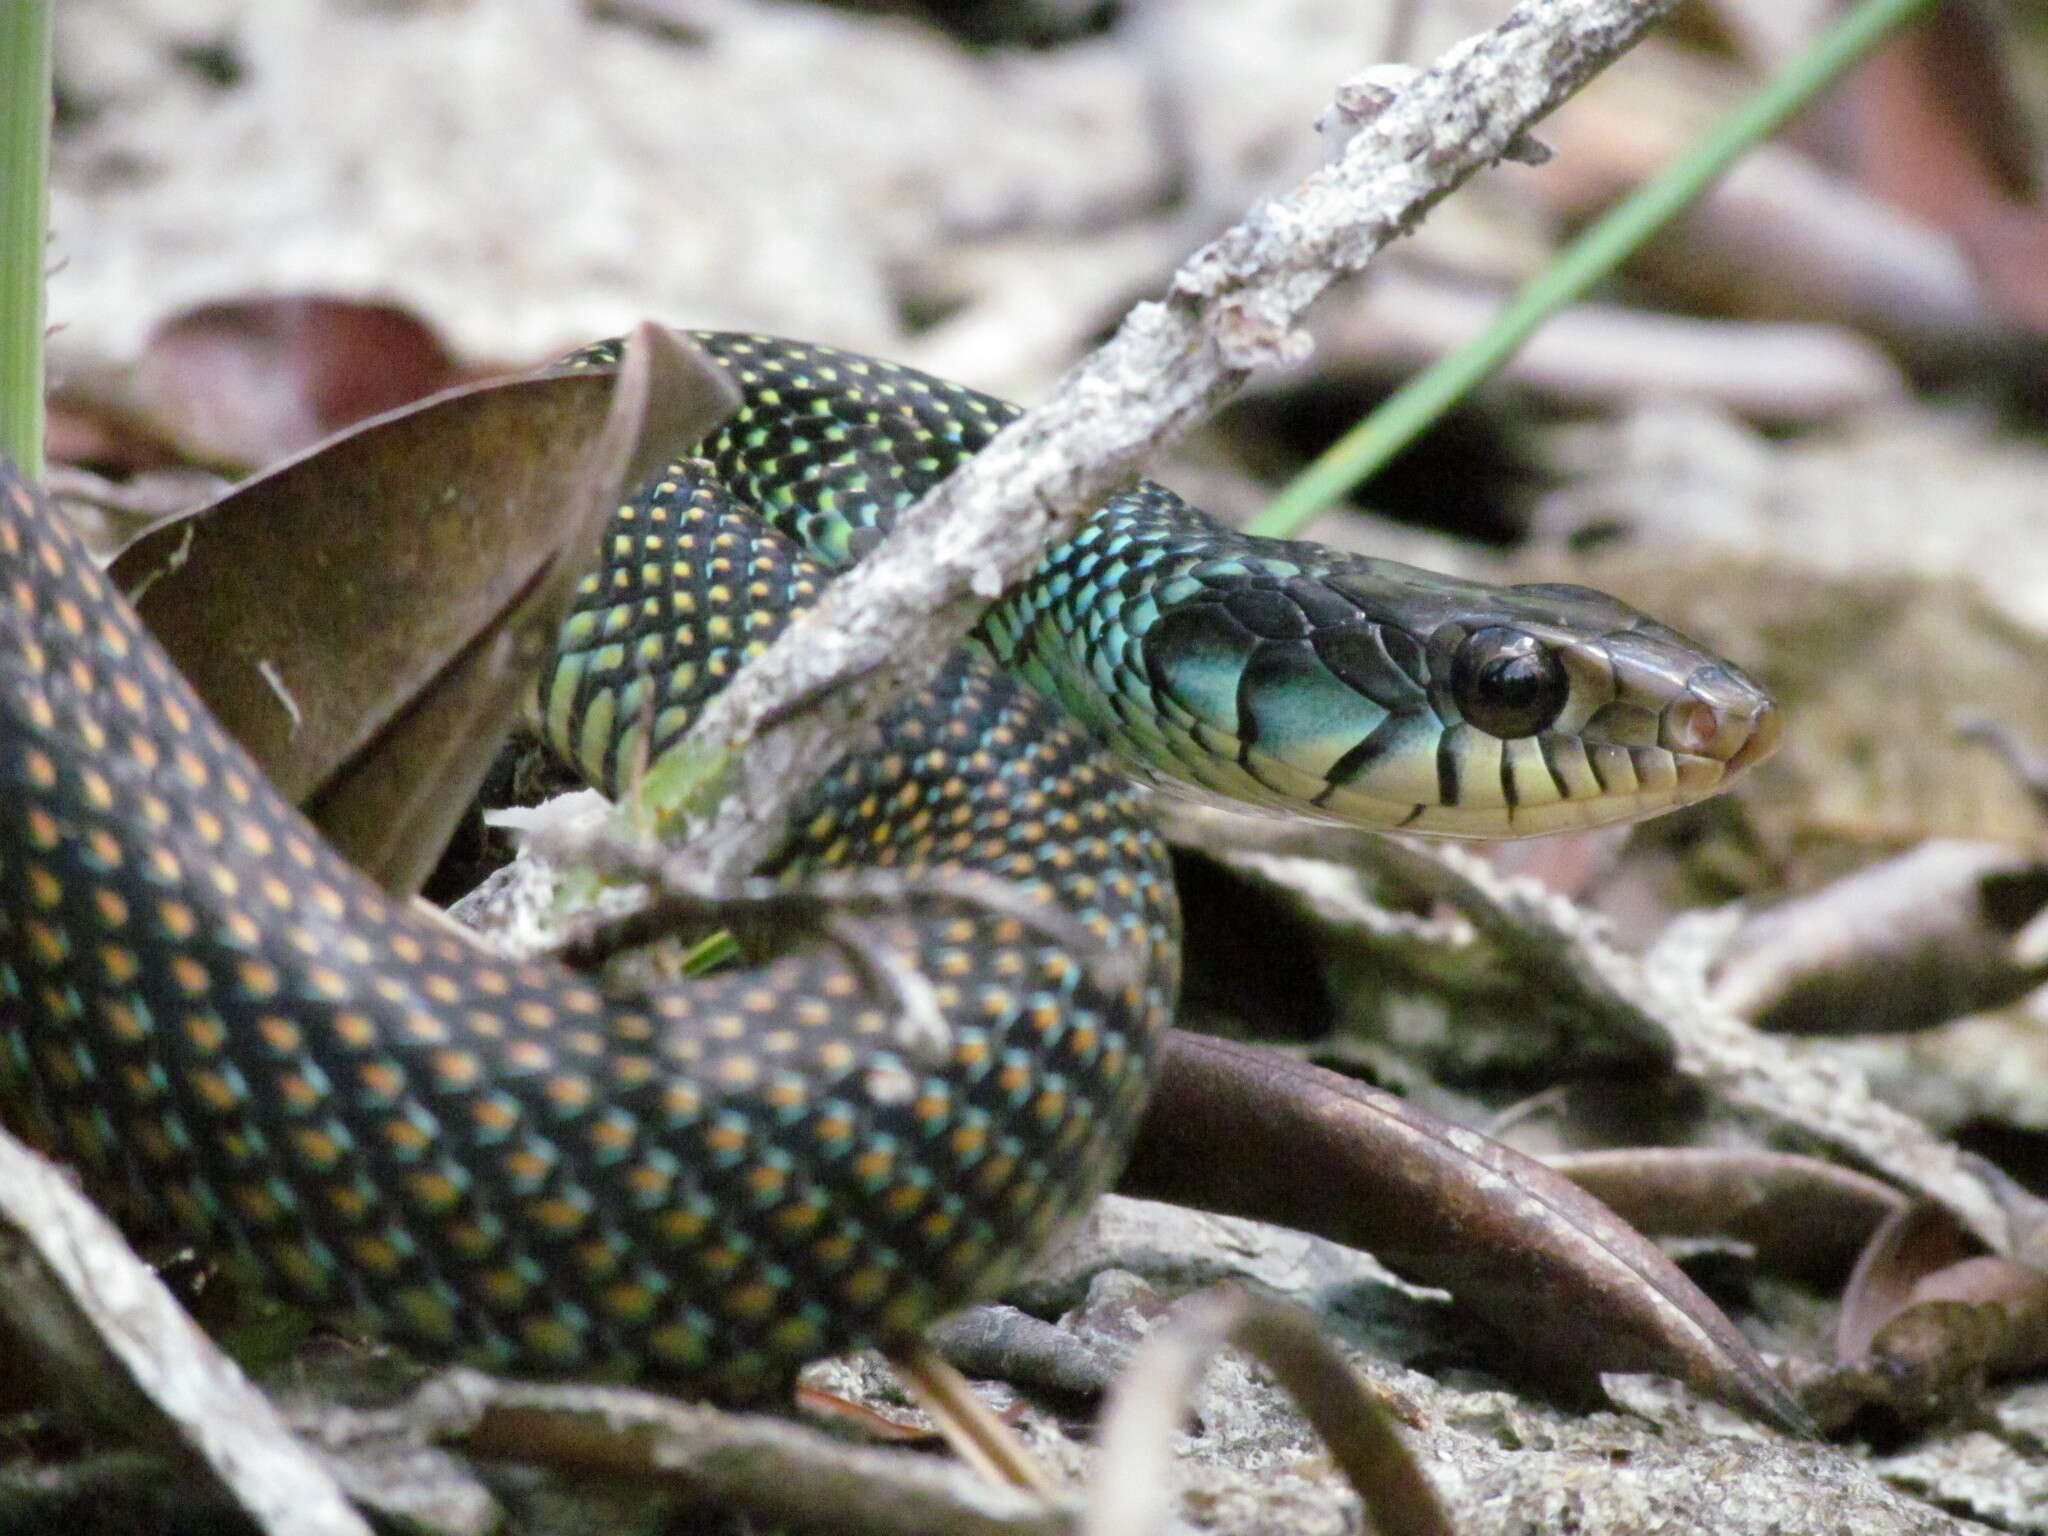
x=1912 y=1244
x=1803 y=1217
x=410 y=575
x=1568 y=1284
x=81 y=429
x=1940 y=133
x=869 y=1423
x=1904 y=944
x=250 y=381
x=2008 y=245
x=2010 y=1297
x=1923 y=1327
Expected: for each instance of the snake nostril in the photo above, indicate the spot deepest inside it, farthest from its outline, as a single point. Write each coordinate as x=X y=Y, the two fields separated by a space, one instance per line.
x=1691 y=725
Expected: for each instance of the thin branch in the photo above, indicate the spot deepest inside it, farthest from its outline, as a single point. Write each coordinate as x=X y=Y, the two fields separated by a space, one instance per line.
x=750 y=1464
x=1234 y=307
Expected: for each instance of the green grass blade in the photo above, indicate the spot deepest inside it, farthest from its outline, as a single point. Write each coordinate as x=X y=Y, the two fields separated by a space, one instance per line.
x=24 y=177
x=1410 y=411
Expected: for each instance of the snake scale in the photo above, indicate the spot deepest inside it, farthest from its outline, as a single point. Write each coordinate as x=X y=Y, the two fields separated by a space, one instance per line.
x=236 y=1037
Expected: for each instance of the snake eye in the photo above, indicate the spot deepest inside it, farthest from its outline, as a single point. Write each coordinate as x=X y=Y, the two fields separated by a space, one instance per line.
x=1507 y=683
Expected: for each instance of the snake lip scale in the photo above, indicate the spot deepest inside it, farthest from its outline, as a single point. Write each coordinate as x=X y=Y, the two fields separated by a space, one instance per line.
x=236 y=1038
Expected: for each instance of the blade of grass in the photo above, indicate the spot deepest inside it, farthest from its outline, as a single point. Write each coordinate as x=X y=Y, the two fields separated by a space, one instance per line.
x=24 y=171
x=1367 y=447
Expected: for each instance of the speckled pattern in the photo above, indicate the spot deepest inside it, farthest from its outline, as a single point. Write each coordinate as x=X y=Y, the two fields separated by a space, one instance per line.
x=1248 y=670
x=231 y=1032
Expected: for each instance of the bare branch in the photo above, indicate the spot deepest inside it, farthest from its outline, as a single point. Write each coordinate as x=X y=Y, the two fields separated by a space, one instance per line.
x=747 y=1463
x=1233 y=307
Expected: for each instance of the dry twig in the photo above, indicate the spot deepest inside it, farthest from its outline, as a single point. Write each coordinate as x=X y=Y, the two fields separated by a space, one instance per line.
x=1146 y=1409
x=744 y=1462
x=1232 y=308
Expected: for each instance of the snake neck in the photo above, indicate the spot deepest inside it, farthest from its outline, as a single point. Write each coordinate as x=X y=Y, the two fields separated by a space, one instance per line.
x=1270 y=673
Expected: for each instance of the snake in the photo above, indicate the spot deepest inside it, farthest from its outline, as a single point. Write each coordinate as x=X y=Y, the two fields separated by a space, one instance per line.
x=240 y=1042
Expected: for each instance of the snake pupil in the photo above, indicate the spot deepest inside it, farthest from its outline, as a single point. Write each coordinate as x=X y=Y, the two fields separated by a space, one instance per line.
x=1507 y=683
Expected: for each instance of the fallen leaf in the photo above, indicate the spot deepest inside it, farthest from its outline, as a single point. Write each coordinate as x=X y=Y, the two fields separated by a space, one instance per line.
x=1926 y=1322
x=250 y=381
x=1913 y=1243
x=1904 y=944
x=411 y=575
x=83 y=430
x=1939 y=132
x=1568 y=1285
x=1942 y=135
x=1802 y=1217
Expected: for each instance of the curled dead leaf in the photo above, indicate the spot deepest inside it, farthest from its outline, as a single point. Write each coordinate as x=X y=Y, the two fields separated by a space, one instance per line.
x=1927 y=1320
x=1567 y=1284
x=1802 y=1217
x=250 y=381
x=366 y=618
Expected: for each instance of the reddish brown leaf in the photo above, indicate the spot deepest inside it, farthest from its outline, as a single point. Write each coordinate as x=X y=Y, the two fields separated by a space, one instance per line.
x=1913 y=1243
x=365 y=618
x=1803 y=1217
x=1939 y=131
x=1566 y=1282
x=1942 y=136
x=250 y=381
x=2008 y=245
x=1923 y=1327
x=2014 y=1296
x=870 y=1423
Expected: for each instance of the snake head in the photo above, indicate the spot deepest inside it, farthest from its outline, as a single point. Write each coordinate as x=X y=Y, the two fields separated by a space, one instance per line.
x=1562 y=707
x=1376 y=695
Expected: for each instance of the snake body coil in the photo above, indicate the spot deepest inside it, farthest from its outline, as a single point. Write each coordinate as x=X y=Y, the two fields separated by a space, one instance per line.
x=232 y=1034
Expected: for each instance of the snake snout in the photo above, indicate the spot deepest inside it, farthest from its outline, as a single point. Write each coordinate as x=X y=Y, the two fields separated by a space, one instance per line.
x=1724 y=718
x=1766 y=728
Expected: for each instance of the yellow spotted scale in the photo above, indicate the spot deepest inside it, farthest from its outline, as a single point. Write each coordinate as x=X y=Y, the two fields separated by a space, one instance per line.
x=232 y=1033
x=236 y=1037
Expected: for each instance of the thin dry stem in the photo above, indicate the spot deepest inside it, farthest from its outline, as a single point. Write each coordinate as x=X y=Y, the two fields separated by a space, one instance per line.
x=1232 y=308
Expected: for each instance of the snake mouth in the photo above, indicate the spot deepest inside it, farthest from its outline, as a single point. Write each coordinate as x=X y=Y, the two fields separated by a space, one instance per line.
x=1766 y=729
x=1657 y=743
